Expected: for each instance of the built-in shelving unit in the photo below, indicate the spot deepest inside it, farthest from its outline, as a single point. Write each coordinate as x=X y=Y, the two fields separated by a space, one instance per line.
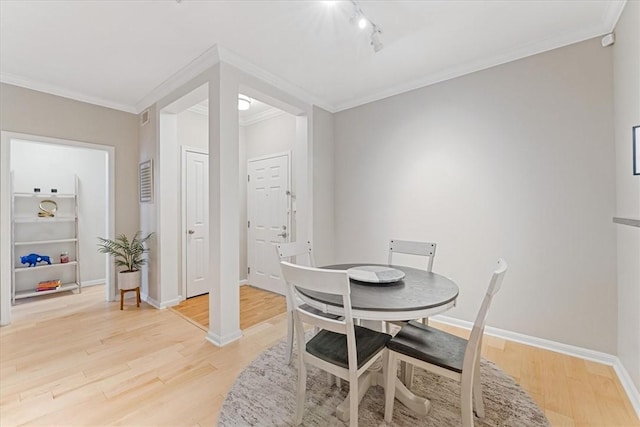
x=50 y=236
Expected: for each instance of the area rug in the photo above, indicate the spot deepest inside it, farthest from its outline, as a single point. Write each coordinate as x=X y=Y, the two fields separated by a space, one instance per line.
x=264 y=395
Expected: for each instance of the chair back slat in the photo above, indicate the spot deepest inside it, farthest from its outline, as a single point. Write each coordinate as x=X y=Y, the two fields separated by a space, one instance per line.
x=475 y=339
x=302 y=251
x=333 y=325
x=427 y=249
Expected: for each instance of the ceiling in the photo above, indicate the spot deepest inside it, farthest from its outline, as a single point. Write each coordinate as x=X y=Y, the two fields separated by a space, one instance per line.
x=116 y=53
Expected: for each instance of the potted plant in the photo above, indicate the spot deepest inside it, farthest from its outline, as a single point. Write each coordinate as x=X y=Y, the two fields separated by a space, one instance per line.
x=127 y=253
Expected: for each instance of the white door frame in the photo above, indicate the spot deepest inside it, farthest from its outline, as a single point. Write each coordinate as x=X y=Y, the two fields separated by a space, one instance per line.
x=291 y=213
x=5 y=213
x=184 y=149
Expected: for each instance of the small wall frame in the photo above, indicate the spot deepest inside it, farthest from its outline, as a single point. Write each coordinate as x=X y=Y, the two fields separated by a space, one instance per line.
x=636 y=150
x=145 y=179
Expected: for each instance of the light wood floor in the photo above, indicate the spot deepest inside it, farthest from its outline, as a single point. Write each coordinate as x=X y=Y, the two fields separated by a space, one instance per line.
x=256 y=306
x=77 y=360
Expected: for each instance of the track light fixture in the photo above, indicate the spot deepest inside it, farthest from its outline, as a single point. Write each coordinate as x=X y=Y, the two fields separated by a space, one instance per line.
x=363 y=21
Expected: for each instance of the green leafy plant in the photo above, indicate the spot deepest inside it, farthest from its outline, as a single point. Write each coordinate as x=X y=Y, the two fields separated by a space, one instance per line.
x=126 y=252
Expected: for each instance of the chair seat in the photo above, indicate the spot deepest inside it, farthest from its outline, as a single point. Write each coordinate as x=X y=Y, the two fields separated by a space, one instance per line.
x=430 y=345
x=332 y=347
x=315 y=311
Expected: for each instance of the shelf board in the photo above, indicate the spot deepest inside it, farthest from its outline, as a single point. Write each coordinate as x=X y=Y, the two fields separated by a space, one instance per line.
x=40 y=267
x=33 y=293
x=46 y=195
x=43 y=242
x=29 y=219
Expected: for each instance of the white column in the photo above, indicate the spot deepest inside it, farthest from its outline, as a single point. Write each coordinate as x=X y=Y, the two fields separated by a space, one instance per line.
x=224 y=212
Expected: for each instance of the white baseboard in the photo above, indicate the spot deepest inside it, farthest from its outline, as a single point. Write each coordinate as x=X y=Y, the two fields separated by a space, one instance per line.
x=220 y=341
x=87 y=283
x=243 y=282
x=570 y=350
x=152 y=302
x=160 y=305
x=628 y=385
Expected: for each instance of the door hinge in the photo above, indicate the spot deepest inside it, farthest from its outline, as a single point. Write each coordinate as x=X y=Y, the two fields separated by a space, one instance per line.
x=248 y=178
x=248 y=224
x=248 y=270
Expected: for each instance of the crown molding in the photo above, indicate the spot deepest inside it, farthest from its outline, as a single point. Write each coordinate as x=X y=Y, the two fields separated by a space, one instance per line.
x=612 y=15
x=64 y=93
x=259 y=117
x=246 y=121
x=206 y=60
x=199 y=109
x=250 y=68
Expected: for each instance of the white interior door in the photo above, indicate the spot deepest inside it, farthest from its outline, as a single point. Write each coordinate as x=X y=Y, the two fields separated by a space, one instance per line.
x=197 y=223
x=268 y=216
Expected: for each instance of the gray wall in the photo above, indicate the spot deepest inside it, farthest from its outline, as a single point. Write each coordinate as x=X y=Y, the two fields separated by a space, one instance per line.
x=37 y=113
x=193 y=130
x=514 y=161
x=626 y=72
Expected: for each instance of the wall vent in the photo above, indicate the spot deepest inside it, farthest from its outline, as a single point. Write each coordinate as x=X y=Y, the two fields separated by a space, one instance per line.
x=144 y=117
x=146 y=181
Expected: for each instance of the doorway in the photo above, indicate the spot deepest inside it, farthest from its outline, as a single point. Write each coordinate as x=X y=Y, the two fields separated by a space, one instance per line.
x=44 y=159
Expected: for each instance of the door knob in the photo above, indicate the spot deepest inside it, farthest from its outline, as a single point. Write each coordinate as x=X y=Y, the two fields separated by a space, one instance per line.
x=283 y=234
x=191 y=231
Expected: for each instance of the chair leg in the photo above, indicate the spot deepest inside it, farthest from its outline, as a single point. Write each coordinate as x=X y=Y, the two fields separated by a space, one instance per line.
x=138 y=296
x=466 y=404
x=390 y=386
x=121 y=298
x=477 y=390
x=354 y=399
x=302 y=385
x=290 y=326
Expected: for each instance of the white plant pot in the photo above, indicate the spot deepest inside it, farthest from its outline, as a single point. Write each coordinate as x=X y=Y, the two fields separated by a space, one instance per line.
x=129 y=280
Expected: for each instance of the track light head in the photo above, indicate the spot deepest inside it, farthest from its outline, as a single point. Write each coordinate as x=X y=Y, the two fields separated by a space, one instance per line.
x=375 y=39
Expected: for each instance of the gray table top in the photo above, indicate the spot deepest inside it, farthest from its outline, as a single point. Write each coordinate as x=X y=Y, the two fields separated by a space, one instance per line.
x=418 y=290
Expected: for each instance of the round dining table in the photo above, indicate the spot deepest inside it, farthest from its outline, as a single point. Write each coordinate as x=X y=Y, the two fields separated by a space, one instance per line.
x=419 y=294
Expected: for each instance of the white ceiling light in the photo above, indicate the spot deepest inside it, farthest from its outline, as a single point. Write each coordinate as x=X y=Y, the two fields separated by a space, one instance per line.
x=244 y=102
x=362 y=22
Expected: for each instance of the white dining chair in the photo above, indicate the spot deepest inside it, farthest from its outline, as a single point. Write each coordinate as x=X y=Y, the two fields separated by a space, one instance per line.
x=340 y=348
x=445 y=354
x=425 y=249
x=303 y=253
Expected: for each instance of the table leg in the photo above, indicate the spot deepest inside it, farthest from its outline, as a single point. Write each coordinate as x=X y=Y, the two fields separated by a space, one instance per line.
x=417 y=404
x=406 y=373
